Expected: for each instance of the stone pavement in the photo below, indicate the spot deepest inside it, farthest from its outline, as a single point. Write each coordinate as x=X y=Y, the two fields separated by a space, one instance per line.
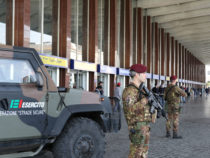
x=194 y=127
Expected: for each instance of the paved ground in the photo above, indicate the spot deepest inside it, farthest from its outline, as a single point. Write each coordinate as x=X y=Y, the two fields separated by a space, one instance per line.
x=194 y=127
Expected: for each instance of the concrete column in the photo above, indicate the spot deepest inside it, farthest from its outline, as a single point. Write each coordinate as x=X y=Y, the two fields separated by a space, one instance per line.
x=122 y=34
x=176 y=55
x=194 y=69
x=93 y=39
x=157 y=37
x=168 y=55
x=149 y=47
x=180 y=61
x=139 y=36
x=85 y=31
x=113 y=41
x=55 y=28
x=128 y=32
x=65 y=39
x=134 y=48
x=22 y=23
x=183 y=62
x=186 y=65
x=149 y=43
x=162 y=52
x=9 y=16
x=172 y=56
x=190 y=60
x=196 y=72
x=106 y=32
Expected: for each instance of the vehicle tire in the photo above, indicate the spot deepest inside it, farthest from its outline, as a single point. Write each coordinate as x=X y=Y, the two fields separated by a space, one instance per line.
x=81 y=138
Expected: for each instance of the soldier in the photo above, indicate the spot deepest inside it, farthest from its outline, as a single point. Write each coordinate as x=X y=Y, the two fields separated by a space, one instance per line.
x=137 y=114
x=172 y=96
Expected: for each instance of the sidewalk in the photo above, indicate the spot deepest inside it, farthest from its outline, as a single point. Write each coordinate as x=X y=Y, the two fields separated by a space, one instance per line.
x=194 y=127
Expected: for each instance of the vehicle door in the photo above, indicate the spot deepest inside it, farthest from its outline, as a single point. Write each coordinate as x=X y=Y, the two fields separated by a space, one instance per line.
x=22 y=97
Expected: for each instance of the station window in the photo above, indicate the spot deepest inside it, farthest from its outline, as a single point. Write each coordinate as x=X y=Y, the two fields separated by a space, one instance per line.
x=3 y=21
x=104 y=32
x=100 y=53
x=76 y=29
x=41 y=26
x=48 y=23
x=118 y=34
x=35 y=33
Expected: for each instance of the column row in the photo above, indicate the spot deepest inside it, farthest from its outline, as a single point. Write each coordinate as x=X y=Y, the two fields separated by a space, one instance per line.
x=116 y=33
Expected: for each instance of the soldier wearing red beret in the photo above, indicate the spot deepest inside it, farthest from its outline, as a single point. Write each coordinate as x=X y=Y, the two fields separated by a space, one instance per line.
x=139 y=68
x=173 y=78
x=172 y=96
x=137 y=113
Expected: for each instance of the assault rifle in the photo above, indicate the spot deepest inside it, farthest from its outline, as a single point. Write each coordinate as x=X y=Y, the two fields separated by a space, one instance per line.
x=153 y=101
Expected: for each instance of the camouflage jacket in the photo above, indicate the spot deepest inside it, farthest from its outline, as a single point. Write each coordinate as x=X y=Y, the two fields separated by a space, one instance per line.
x=135 y=109
x=173 y=94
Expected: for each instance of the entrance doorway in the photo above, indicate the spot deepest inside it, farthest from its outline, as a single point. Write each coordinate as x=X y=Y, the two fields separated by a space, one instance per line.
x=79 y=79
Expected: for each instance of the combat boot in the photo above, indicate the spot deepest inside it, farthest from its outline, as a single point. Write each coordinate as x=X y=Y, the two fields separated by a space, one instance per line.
x=176 y=136
x=168 y=134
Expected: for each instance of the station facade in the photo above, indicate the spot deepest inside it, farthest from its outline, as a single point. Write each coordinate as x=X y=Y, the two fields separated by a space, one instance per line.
x=83 y=42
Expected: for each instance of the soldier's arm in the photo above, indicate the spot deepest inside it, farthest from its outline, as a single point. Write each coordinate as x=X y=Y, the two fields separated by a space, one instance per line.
x=181 y=92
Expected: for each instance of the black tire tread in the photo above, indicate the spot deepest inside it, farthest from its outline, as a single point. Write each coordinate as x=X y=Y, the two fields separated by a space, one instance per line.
x=61 y=143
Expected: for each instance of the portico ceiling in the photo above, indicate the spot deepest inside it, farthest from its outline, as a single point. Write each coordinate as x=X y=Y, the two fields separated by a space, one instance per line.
x=188 y=21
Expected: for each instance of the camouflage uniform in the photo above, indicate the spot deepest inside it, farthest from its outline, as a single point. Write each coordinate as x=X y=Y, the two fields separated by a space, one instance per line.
x=173 y=106
x=137 y=114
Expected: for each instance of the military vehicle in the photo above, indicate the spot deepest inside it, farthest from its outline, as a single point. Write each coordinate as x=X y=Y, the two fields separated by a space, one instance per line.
x=35 y=115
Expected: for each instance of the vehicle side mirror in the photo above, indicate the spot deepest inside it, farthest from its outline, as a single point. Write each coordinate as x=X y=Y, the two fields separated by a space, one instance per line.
x=39 y=78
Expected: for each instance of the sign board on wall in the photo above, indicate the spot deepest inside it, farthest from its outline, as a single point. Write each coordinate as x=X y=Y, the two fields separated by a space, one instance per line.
x=54 y=61
x=156 y=77
x=106 y=69
x=167 y=78
x=149 y=76
x=123 y=72
x=162 y=78
x=82 y=65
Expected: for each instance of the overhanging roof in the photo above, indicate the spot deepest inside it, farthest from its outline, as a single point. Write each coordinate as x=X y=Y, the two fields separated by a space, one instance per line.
x=188 y=21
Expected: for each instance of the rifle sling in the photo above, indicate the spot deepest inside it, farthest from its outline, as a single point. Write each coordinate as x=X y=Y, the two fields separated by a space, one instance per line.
x=132 y=86
x=140 y=91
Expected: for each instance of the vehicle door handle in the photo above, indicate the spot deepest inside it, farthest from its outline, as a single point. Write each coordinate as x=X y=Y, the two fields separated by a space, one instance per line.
x=4 y=104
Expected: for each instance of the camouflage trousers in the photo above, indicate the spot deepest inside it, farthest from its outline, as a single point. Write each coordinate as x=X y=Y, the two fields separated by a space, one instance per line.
x=139 y=141
x=173 y=118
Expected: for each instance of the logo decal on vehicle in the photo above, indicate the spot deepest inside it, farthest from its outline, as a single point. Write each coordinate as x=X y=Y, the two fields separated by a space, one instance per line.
x=24 y=108
x=16 y=104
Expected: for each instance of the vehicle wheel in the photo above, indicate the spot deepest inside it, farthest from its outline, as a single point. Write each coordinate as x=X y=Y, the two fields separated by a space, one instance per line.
x=81 y=138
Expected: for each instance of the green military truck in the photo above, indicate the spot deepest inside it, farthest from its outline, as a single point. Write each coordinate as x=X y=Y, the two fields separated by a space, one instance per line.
x=37 y=116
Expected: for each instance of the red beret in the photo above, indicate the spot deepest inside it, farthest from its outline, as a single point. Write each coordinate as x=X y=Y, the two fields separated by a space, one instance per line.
x=139 y=68
x=173 y=77
x=118 y=84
